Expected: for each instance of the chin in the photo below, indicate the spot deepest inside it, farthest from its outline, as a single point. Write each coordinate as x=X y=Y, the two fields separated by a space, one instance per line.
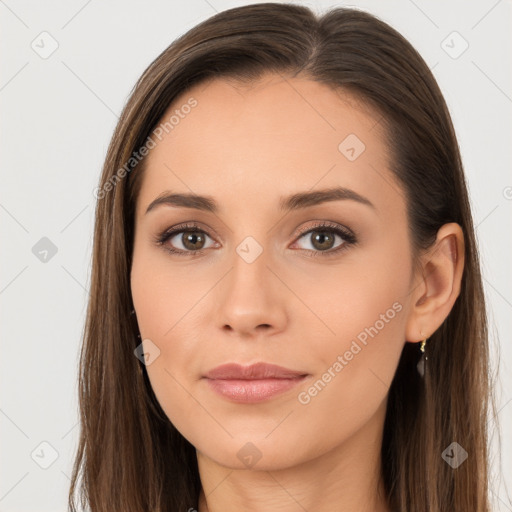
x=256 y=452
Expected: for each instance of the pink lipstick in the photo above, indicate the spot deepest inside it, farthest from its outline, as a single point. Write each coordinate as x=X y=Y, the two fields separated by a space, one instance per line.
x=254 y=383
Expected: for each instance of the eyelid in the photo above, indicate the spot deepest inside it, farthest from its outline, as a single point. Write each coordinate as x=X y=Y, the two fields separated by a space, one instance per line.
x=321 y=224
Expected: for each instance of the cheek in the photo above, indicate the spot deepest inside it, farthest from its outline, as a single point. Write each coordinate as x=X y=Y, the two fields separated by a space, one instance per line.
x=364 y=297
x=169 y=303
x=165 y=293
x=363 y=318
x=362 y=304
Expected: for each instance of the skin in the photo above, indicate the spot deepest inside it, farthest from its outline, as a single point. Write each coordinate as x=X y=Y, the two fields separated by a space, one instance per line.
x=246 y=147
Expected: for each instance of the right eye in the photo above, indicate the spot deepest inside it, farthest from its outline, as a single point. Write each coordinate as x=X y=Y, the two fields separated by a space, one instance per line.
x=184 y=240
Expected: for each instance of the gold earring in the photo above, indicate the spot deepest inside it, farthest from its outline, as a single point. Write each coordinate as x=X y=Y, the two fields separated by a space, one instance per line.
x=421 y=363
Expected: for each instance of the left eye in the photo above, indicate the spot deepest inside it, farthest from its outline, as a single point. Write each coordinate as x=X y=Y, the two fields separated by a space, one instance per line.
x=323 y=239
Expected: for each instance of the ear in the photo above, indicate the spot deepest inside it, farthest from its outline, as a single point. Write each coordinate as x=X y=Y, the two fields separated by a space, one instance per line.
x=437 y=283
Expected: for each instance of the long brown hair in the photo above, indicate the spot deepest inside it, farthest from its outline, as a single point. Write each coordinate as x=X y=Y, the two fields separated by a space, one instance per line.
x=130 y=457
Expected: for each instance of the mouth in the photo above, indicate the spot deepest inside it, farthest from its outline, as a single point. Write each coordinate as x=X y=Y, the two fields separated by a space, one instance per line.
x=255 y=383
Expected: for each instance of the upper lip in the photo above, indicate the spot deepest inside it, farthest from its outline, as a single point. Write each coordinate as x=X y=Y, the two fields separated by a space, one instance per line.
x=252 y=372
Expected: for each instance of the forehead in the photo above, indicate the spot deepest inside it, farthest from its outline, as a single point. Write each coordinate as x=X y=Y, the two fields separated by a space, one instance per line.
x=268 y=138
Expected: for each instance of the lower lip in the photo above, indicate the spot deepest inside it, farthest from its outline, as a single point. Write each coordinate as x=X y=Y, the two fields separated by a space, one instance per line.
x=250 y=391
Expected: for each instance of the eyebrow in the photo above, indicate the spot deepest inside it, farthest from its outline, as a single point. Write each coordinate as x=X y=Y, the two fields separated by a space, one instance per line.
x=296 y=201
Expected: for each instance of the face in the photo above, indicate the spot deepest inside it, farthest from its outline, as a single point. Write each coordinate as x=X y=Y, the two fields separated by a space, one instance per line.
x=269 y=269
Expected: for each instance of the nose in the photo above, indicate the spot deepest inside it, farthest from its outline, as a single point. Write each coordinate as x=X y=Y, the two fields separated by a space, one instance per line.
x=252 y=300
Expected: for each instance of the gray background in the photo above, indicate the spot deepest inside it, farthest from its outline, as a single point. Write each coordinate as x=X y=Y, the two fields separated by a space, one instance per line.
x=58 y=114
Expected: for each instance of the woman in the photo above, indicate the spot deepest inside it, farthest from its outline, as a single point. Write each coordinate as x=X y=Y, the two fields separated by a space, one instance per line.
x=286 y=304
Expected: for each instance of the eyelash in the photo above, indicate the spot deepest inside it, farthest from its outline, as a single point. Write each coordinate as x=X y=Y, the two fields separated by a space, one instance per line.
x=324 y=227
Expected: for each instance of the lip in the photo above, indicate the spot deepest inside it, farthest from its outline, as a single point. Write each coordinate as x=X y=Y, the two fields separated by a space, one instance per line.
x=254 y=371
x=253 y=383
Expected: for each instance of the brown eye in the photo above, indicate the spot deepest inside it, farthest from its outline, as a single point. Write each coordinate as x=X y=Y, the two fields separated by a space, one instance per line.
x=322 y=241
x=193 y=240
x=184 y=240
